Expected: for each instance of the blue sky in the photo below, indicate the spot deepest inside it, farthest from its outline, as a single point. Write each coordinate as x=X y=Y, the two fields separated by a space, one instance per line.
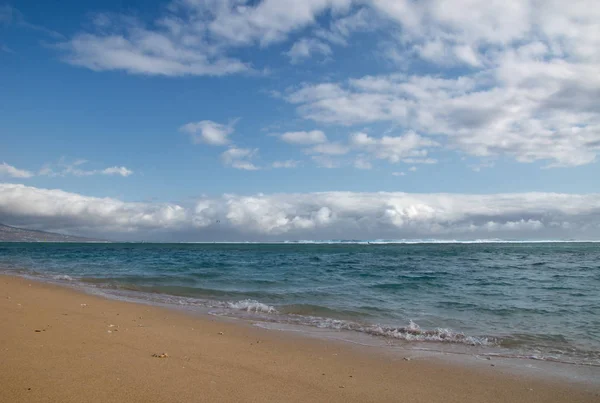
x=167 y=104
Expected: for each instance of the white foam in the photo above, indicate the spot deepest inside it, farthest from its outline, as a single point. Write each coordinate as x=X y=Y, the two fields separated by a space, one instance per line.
x=63 y=277
x=414 y=333
x=434 y=241
x=250 y=305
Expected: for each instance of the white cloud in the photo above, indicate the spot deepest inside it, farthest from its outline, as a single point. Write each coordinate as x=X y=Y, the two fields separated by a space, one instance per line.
x=64 y=168
x=147 y=52
x=529 y=92
x=340 y=29
x=467 y=55
x=209 y=132
x=237 y=153
x=409 y=148
x=412 y=169
x=329 y=149
x=527 y=84
x=217 y=134
x=193 y=37
x=480 y=166
x=420 y=160
x=362 y=163
x=393 y=149
x=268 y=21
x=285 y=164
x=11 y=16
x=122 y=171
x=245 y=165
x=328 y=215
x=398 y=174
x=176 y=44
x=306 y=48
x=438 y=52
x=325 y=161
x=56 y=209
x=239 y=158
x=475 y=22
x=11 y=171
x=527 y=109
x=304 y=137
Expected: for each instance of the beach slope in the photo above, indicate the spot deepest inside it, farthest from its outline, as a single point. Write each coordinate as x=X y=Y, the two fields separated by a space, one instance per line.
x=61 y=345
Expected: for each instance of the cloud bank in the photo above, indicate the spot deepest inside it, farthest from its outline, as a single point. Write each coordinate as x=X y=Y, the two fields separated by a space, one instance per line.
x=327 y=215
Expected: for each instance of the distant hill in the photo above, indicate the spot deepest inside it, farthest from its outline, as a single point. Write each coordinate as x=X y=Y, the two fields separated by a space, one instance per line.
x=14 y=234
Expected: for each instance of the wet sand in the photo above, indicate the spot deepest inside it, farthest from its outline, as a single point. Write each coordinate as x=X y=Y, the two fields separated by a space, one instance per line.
x=61 y=345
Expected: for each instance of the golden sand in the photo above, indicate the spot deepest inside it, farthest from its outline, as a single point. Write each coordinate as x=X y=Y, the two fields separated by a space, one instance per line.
x=61 y=345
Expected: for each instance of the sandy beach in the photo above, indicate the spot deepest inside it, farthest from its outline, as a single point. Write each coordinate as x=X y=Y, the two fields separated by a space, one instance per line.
x=62 y=345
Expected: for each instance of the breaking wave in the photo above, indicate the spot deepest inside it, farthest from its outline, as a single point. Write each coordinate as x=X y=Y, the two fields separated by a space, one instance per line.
x=434 y=241
x=250 y=305
x=411 y=332
x=63 y=277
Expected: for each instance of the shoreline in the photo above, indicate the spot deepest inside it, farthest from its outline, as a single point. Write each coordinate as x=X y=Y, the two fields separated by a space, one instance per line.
x=78 y=356
x=229 y=310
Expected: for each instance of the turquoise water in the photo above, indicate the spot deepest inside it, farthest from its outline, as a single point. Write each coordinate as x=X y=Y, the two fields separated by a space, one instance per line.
x=536 y=300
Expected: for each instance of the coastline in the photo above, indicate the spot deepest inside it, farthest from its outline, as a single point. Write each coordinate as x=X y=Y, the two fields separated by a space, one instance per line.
x=58 y=345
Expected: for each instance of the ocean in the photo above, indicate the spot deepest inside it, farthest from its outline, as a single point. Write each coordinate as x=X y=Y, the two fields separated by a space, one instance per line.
x=530 y=300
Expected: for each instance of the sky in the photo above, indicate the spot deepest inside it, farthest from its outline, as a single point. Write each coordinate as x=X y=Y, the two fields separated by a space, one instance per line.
x=217 y=120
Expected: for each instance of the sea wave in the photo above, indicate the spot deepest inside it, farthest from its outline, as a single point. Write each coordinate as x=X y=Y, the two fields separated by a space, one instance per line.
x=432 y=241
x=250 y=305
x=256 y=310
x=369 y=291
x=63 y=277
x=411 y=332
